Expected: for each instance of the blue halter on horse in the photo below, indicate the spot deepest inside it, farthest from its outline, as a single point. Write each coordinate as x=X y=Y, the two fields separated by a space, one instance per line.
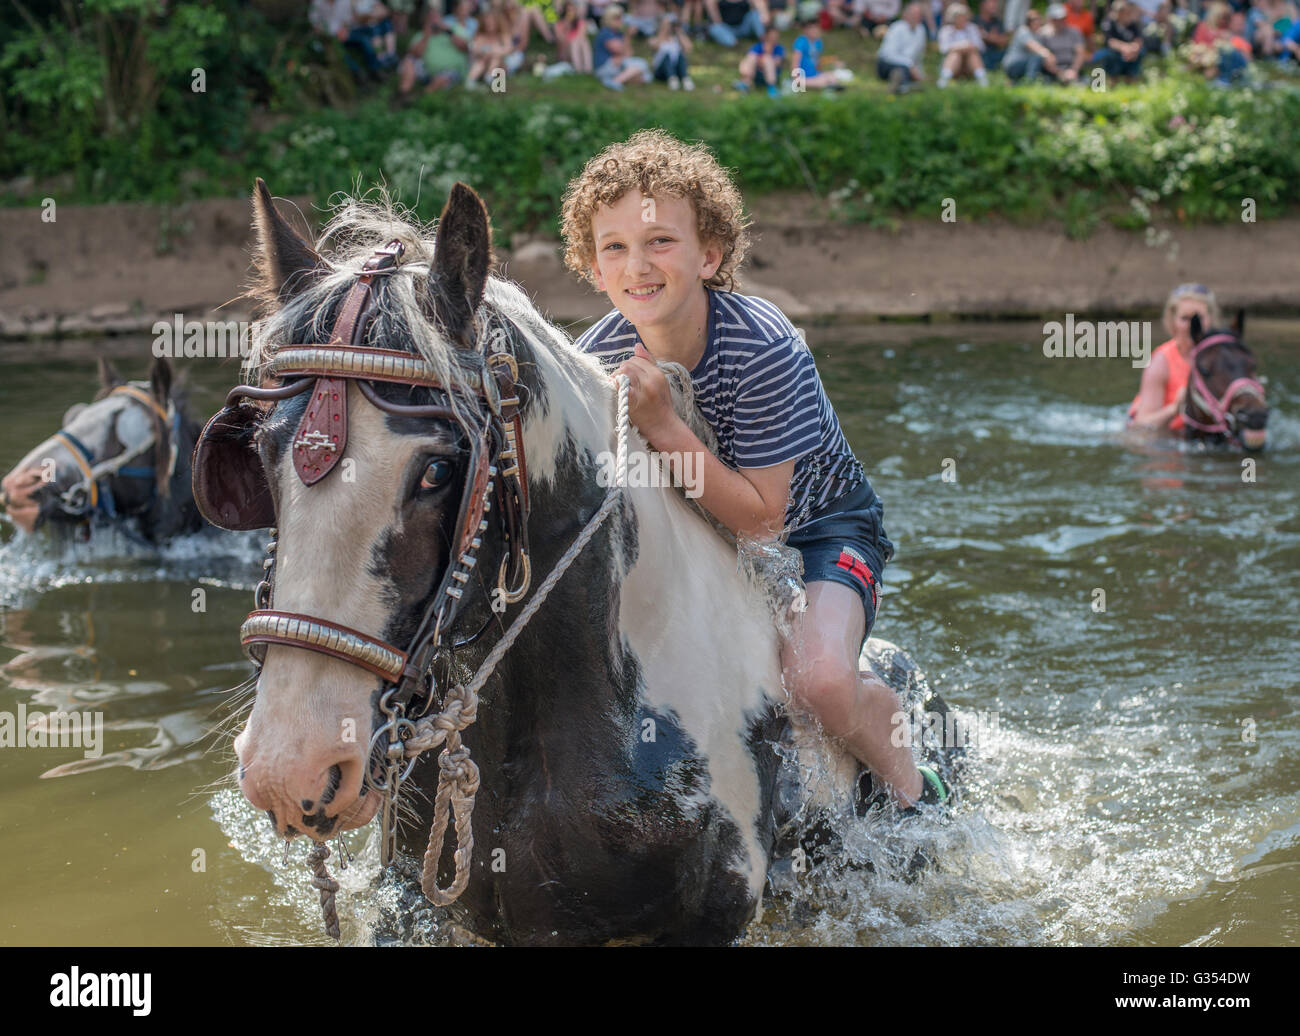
x=107 y=467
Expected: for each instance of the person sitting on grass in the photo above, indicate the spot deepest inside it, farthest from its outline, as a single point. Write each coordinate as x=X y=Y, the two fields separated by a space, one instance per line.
x=373 y=30
x=731 y=20
x=1080 y=16
x=780 y=13
x=838 y=14
x=492 y=54
x=1267 y=25
x=672 y=43
x=571 y=42
x=901 y=51
x=1026 y=57
x=762 y=65
x=995 y=37
x=783 y=467
x=1121 y=56
x=433 y=60
x=875 y=16
x=612 y=54
x=962 y=48
x=1219 y=52
x=643 y=17
x=1291 y=46
x=1159 y=34
x=522 y=20
x=693 y=17
x=809 y=46
x=1066 y=45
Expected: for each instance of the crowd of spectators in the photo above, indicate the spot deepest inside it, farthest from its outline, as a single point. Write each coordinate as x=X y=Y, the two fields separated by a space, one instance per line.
x=479 y=43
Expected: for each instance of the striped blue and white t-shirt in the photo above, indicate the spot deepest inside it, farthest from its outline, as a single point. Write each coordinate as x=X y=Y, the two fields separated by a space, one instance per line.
x=757 y=386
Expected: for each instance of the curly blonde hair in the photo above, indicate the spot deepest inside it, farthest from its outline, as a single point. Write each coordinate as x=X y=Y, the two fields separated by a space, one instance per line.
x=656 y=163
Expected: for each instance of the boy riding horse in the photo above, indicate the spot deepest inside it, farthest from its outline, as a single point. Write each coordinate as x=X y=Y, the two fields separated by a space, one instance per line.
x=658 y=226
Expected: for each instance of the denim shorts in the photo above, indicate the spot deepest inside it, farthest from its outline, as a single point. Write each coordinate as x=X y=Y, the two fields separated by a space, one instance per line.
x=845 y=543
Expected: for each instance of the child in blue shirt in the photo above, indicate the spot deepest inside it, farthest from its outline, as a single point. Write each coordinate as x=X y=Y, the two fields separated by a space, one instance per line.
x=762 y=65
x=808 y=47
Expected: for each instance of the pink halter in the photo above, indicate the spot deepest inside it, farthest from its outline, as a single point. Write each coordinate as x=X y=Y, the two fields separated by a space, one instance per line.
x=1223 y=421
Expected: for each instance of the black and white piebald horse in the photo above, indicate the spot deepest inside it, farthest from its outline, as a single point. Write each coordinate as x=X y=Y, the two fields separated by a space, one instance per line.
x=123 y=459
x=631 y=787
x=1225 y=403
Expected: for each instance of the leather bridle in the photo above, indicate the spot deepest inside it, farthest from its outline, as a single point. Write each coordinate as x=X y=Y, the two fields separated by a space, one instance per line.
x=231 y=491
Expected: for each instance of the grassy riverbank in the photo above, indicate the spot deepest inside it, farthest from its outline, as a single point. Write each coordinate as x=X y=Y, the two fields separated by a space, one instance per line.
x=1170 y=148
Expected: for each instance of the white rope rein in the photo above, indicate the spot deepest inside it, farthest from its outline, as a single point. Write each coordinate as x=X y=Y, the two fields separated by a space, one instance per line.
x=458 y=779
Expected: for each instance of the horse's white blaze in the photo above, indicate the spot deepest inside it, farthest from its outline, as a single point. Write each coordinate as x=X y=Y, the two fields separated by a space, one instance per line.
x=711 y=677
x=326 y=539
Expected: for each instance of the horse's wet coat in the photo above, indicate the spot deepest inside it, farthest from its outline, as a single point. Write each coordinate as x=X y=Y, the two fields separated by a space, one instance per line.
x=624 y=741
x=116 y=426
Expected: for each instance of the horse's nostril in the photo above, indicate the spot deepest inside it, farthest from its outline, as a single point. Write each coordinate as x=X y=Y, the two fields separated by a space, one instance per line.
x=332 y=783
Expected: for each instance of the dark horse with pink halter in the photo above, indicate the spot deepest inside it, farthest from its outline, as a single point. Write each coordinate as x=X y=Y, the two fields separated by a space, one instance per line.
x=1225 y=402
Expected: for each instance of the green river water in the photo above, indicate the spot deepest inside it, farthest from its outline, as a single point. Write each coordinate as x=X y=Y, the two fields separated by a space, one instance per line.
x=1141 y=785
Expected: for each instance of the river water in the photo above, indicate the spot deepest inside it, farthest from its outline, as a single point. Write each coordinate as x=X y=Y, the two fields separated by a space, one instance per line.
x=1136 y=778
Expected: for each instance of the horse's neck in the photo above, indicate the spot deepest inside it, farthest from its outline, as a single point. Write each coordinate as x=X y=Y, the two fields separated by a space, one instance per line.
x=680 y=595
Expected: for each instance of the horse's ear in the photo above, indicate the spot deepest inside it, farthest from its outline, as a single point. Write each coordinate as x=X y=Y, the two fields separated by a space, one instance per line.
x=109 y=377
x=285 y=263
x=1198 y=329
x=1239 y=325
x=160 y=379
x=462 y=259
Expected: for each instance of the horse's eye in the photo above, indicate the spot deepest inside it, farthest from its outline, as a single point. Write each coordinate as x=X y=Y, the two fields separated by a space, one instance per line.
x=1205 y=369
x=436 y=474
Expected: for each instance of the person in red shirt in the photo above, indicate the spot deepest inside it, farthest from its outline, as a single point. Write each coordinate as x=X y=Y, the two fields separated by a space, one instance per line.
x=1081 y=18
x=1159 y=402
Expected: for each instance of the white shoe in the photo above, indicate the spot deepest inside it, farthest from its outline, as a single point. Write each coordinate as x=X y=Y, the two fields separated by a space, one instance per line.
x=688 y=83
x=674 y=83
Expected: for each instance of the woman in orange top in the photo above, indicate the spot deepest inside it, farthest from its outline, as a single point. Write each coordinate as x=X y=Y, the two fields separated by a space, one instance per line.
x=1159 y=402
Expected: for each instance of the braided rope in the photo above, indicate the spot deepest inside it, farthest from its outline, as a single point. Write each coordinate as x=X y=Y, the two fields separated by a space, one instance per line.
x=620 y=462
x=458 y=778
x=327 y=886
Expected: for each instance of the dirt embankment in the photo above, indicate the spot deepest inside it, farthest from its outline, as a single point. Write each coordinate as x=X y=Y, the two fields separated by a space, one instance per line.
x=118 y=268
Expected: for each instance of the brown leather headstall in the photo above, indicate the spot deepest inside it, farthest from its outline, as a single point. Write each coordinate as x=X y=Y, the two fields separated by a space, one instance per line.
x=231 y=490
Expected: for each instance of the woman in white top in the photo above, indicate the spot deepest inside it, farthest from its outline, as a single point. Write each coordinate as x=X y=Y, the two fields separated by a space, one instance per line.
x=962 y=47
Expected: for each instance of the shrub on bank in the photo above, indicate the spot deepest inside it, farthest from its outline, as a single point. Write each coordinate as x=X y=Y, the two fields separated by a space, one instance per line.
x=1171 y=148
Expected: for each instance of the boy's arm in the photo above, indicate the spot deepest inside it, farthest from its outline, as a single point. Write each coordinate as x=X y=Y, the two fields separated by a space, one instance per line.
x=752 y=502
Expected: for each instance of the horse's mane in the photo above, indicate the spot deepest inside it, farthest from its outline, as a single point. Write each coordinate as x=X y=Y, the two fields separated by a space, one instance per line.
x=357 y=227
